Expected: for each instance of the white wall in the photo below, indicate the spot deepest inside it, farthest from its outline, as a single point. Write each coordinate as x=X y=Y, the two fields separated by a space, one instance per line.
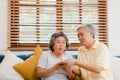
x=113 y=26
x=3 y=26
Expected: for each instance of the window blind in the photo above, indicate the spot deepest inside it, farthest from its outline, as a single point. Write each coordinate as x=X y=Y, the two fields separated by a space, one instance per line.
x=32 y=22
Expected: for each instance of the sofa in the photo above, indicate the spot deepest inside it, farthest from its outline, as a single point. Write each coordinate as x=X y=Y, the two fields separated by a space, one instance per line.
x=115 y=63
x=19 y=67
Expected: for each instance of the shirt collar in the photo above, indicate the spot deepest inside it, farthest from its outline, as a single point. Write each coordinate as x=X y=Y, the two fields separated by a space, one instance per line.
x=95 y=44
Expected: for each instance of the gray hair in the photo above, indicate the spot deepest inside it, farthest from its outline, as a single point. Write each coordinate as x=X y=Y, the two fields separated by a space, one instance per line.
x=54 y=36
x=88 y=27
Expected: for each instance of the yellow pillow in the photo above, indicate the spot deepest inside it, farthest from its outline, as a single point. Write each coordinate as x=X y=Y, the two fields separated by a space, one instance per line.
x=28 y=68
x=78 y=78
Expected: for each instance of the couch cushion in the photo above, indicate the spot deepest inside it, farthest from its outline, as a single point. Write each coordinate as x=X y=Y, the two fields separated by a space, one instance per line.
x=28 y=68
x=24 y=56
x=74 y=56
x=1 y=57
x=6 y=67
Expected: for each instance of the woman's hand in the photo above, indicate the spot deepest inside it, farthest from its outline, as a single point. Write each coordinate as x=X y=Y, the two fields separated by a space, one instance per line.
x=60 y=65
x=69 y=71
x=67 y=68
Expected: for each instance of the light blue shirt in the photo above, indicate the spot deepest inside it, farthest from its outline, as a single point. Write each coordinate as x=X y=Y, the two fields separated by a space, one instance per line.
x=46 y=61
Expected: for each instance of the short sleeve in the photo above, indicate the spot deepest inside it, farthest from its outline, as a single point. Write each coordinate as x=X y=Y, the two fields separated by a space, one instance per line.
x=104 y=58
x=43 y=60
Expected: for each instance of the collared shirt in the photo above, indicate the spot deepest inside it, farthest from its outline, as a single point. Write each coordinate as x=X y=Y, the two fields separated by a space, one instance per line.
x=97 y=55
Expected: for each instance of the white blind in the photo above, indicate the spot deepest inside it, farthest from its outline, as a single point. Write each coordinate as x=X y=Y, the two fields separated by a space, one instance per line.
x=33 y=22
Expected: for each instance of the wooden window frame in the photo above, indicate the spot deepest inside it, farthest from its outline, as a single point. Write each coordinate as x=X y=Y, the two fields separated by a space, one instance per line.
x=13 y=25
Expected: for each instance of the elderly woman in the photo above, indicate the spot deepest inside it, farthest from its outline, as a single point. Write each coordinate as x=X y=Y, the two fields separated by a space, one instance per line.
x=51 y=65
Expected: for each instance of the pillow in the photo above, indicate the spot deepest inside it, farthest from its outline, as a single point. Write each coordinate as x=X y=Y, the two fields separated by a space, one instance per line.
x=78 y=78
x=6 y=67
x=28 y=68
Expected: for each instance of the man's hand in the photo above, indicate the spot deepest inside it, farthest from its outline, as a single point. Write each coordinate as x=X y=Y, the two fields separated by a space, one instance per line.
x=71 y=62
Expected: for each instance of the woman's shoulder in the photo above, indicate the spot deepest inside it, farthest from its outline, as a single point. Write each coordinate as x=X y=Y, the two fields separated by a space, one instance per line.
x=69 y=55
x=46 y=53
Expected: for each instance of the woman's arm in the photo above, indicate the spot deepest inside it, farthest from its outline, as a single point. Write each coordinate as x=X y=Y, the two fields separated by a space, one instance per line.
x=41 y=72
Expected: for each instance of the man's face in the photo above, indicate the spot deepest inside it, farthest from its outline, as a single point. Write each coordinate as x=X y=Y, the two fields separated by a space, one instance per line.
x=84 y=36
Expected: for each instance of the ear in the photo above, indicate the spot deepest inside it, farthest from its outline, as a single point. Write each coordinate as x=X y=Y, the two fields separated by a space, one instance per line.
x=92 y=34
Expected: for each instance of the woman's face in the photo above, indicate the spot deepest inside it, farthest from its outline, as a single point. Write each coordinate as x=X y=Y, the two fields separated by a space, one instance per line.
x=59 y=45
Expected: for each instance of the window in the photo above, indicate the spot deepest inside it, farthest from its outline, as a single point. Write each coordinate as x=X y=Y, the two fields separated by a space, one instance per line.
x=32 y=22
